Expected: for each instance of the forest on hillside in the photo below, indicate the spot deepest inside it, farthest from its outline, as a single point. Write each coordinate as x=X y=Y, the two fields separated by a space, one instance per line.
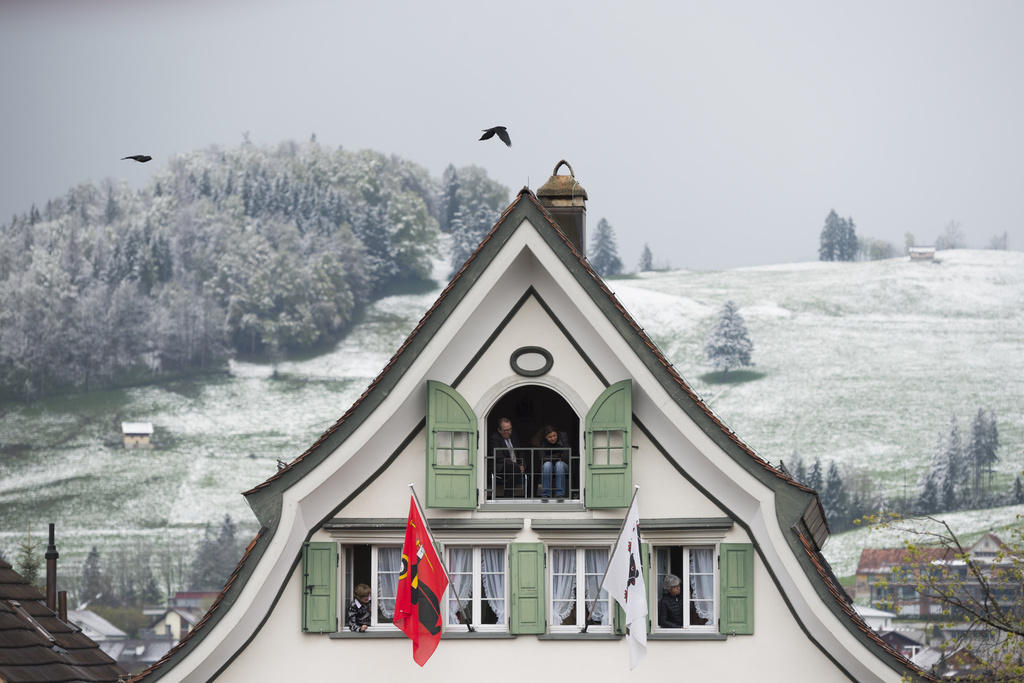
x=249 y=250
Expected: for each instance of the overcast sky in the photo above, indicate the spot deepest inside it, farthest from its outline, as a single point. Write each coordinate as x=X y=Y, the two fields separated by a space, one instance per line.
x=721 y=133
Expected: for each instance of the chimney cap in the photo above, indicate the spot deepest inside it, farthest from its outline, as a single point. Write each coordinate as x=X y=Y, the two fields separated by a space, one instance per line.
x=562 y=186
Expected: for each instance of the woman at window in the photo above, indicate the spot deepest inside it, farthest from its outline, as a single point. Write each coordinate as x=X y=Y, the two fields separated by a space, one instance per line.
x=554 y=456
x=670 y=607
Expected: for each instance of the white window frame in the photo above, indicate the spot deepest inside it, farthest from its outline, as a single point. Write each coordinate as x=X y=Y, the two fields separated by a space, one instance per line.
x=581 y=601
x=477 y=588
x=345 y=578
x=655 y=591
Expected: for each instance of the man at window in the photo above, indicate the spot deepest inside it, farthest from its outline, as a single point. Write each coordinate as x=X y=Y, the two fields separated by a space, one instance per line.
x=508 y=467
x=670 y=607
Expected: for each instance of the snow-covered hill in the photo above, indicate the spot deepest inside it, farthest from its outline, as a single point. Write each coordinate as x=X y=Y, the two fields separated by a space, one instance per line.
x=861 y=363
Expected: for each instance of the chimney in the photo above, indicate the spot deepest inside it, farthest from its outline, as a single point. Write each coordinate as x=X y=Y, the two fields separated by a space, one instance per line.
x=51 y=572
x=62 y=605
x=566 y=201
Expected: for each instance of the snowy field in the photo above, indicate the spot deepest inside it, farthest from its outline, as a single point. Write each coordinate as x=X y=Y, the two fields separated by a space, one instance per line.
x=861 y=363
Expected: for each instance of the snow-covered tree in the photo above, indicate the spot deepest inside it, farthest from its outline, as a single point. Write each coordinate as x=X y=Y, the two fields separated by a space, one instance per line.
x=604 y=255
x=28 y=562
x=952 y=237
x=646 y=260
x=838 y=240
x=814 y=478
x=980 y=453
x=93 y=585
x=834 y=499
x=729 y=346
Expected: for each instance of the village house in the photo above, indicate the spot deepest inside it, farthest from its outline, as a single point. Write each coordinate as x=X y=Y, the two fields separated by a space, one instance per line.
x=527 y=331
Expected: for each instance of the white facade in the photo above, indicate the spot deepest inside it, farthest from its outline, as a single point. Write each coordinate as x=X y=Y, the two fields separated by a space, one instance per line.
x=699 y=488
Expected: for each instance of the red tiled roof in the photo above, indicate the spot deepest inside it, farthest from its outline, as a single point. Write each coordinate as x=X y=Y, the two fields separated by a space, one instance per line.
x=882 y=560
x=35 y=645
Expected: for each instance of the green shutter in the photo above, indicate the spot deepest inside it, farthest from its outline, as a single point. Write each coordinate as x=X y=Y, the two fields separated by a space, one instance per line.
x=608 y=436
x=451 y=449
x=320 y=587
x=736 y=579
x=526 y=567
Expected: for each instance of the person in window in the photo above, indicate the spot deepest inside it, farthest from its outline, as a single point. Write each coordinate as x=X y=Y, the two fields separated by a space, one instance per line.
x=553 y=459
x=358 y=617
x=509 y=468
x=670 y=607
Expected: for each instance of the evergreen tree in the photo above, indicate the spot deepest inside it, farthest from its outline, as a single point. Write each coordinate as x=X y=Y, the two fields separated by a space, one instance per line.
x=847 y=246
x=928 y=495
x=646 y=260
x=828 y=245
x=797 y=468
x=111 y=212
x=728 y=346
x=604 y=254
x=814 y=475
x=834 y=499
x=956 y=469
x=449 y=198
x=28 y=560
x=93 y=587
x=1017 y=497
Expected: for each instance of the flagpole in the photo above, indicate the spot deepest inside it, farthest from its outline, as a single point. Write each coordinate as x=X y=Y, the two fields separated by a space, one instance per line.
x=636 y=490
x=426 y=524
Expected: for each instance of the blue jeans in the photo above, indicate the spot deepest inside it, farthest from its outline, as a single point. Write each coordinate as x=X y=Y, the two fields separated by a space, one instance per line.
x=561 y=469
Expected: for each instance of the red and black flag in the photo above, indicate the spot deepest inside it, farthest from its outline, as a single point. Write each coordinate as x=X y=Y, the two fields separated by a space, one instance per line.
x=421 y=585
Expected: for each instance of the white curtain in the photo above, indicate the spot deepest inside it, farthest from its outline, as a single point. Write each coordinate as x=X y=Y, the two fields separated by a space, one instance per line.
x=493 y=579
x=389 y=565
x=564 y=582
x=702 y=582
x=460 y=570
x=596 y=561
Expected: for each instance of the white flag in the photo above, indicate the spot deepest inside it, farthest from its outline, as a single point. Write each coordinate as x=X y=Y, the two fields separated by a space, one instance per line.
x=624 y=581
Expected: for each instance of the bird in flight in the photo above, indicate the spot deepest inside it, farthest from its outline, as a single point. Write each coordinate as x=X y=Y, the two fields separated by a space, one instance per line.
x=500 y=132
x=141 y=158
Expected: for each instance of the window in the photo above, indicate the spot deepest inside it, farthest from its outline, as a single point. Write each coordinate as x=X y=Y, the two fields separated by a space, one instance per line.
x=478 y=578
x=571 y=608
x=695 y=607
x=378 y=567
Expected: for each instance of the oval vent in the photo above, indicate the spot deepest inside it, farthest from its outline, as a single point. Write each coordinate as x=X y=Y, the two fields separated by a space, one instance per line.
x=531 y=361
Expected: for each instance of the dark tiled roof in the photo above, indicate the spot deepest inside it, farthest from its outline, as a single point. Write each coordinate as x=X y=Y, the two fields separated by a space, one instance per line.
x=36 y=646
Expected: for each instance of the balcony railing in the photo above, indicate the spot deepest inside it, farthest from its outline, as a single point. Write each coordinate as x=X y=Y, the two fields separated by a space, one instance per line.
x=533 y=474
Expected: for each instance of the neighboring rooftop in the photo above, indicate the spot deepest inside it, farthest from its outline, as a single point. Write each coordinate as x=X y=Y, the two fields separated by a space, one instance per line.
x=36 y=645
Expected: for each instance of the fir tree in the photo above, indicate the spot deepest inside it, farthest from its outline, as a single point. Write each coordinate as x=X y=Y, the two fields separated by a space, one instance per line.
x=28 y=560
x=797 y=468
x=93 y=587
x=828 y=243
x=1017 y=497
x=646 y=260
x=814 y=475
x=604 y=254
x=956 y=470
x=834 y=499
x=728 y=346
x=449 y=198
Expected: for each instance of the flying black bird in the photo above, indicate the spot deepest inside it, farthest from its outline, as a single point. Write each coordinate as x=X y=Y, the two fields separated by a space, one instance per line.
x=141 y=158
x=500 y=132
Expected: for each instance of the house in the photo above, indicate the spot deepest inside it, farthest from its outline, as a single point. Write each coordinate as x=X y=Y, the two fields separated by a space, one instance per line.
x=876 y=619
x=889 y=577
x=904 y=642
x=99 y=630
x=921 y=253
x=37 y=640
x=137 y=434
x=527 y=330
x=176 y=622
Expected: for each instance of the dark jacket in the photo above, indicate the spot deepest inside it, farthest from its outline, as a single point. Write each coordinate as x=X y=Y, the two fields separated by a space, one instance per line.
x=670 y=611
x=358 y=615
